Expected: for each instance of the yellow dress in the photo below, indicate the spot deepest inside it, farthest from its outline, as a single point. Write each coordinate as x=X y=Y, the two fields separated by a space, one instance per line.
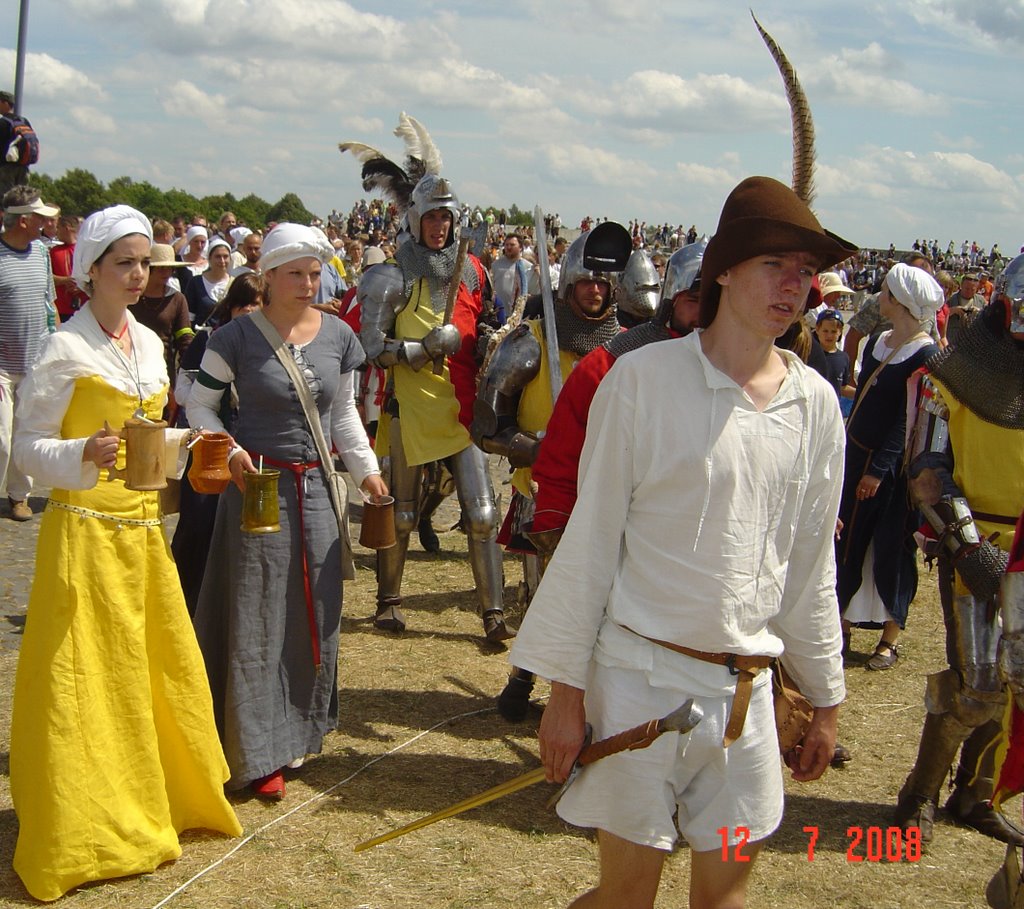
x=114 y=750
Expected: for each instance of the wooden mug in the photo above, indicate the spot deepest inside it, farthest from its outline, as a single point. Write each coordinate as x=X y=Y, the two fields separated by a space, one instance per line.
x=144 y=455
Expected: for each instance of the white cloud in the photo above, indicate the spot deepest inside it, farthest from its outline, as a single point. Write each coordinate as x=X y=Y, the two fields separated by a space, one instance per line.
x=1001 y=20
x=864 y=78
x=187 y=100
x=321 y=28
x=965 y=142
x=578 y=163
x=705 y=103
x=90 y=120
x=892 y=175
x=48 y=78
x=360 y=125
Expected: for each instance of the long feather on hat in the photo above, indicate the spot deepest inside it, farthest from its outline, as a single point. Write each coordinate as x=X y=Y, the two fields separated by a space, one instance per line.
x=803 y=124
x=395 y=181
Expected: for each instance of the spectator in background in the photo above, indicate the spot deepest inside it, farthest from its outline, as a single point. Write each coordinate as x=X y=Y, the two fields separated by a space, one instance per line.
x=69 y=297
x=251 y=247
x=195 y=249
x=964 y=305
x=164 y=310
x=11 y=173
x=28 y=304
x=510 y=275
x=206 y=290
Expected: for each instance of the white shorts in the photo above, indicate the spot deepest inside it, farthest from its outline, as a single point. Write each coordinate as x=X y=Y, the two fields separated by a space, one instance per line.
x=635 y=794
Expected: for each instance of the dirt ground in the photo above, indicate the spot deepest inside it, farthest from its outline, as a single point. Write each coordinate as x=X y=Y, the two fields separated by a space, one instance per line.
x=419 y=730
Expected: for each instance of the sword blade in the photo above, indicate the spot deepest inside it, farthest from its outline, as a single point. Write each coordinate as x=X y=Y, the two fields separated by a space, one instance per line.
x=681 y=720
x=548 y=299
x=482 y=798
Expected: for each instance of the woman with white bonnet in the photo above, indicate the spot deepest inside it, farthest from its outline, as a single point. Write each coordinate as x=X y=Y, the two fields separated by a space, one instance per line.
x=876 y=565
x=270 y=606
x=194 y=253
x=114 y=749
x=205 y=291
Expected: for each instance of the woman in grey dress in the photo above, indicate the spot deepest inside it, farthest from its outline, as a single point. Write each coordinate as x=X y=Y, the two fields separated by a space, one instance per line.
x=270 y=606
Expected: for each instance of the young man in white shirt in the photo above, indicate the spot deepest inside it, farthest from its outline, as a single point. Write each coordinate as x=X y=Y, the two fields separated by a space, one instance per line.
x=709 y=487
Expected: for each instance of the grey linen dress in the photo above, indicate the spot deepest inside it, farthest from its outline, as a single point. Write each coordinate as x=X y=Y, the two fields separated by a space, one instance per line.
x=252 y=621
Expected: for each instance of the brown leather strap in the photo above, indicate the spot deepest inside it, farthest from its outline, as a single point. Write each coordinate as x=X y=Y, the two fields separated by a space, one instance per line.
x=745 y=668
x=995 y=518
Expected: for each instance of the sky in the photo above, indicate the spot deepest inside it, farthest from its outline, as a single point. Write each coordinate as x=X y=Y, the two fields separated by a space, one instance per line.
x=646 y=109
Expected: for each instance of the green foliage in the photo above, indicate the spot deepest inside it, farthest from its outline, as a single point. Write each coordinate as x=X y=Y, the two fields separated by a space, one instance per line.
x=289 y=208
x=519 y=217
x=78 y=192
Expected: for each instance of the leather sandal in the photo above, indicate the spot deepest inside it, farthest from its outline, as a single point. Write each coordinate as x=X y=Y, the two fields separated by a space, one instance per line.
x=389 y=617
x=885 y=657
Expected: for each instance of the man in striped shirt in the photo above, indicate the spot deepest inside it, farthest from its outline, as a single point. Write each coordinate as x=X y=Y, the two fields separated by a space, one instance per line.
x=27 y=297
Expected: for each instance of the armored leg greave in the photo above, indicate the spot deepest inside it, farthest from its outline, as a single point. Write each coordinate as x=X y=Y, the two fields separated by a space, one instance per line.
x=480 y=518
x=480 y=515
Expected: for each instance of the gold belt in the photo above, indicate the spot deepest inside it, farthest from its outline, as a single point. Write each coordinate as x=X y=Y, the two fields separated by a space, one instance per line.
x=89 y=513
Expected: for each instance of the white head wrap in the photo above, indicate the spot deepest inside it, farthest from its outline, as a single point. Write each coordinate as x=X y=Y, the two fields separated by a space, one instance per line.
x=214 y=243
x=915 y=289
x=288 y=242
x=238 y=234
x=194 y=231
x=101 y=229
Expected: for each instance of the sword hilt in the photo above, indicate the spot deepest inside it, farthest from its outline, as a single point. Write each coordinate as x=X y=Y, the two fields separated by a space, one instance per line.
x=681 y=720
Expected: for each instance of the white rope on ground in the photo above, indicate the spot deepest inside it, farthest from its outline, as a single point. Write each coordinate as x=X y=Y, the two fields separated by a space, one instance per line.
x=315 y=798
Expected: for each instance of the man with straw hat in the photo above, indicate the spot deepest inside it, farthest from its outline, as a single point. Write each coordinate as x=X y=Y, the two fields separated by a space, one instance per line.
x=691 y=558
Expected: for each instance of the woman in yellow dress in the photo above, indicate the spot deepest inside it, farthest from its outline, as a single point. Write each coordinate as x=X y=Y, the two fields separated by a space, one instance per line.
x=114 y=750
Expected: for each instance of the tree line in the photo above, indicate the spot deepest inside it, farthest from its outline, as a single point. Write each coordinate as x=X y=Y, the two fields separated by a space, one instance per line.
x=79 y=192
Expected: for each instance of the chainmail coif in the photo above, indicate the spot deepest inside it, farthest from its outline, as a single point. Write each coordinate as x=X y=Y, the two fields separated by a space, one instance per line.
x=437 y=266
x=984 y=370
x=579 y=335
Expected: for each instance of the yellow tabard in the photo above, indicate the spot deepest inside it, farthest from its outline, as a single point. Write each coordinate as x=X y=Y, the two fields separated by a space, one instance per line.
x=428 y=408
x=994 y=455
x=535 y=404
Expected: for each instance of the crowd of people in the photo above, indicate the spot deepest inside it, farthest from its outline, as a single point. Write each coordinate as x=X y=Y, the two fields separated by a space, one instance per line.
x=802 y=421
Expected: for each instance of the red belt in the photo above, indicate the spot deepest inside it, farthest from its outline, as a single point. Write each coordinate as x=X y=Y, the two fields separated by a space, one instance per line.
x=298 y=471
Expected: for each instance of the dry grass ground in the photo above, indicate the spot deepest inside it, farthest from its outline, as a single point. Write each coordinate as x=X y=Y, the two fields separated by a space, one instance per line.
x=387 y=765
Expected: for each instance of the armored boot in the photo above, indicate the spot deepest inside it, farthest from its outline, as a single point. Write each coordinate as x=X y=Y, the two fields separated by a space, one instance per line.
x=940 y=741
x=514 y=700
x=970 y=804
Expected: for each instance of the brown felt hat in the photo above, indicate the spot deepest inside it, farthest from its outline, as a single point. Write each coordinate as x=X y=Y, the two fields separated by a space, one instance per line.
x=760 y=216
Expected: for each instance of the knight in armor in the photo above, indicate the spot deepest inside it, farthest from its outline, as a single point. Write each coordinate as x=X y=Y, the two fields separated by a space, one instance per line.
x=966 y=467
x=514 y=401
x=555 y=469
x=404 y=329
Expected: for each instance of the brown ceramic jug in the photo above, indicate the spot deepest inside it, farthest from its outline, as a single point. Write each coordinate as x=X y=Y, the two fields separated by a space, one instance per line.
x=209 y=473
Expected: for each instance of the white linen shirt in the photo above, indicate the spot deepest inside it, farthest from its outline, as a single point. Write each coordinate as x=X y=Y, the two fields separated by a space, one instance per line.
x=699 y=521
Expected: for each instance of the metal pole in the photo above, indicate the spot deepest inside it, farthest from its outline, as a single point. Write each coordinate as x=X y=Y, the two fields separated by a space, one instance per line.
x=19 y=67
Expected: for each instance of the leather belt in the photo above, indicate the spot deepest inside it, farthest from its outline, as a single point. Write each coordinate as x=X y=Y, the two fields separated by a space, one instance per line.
x=745 y=668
